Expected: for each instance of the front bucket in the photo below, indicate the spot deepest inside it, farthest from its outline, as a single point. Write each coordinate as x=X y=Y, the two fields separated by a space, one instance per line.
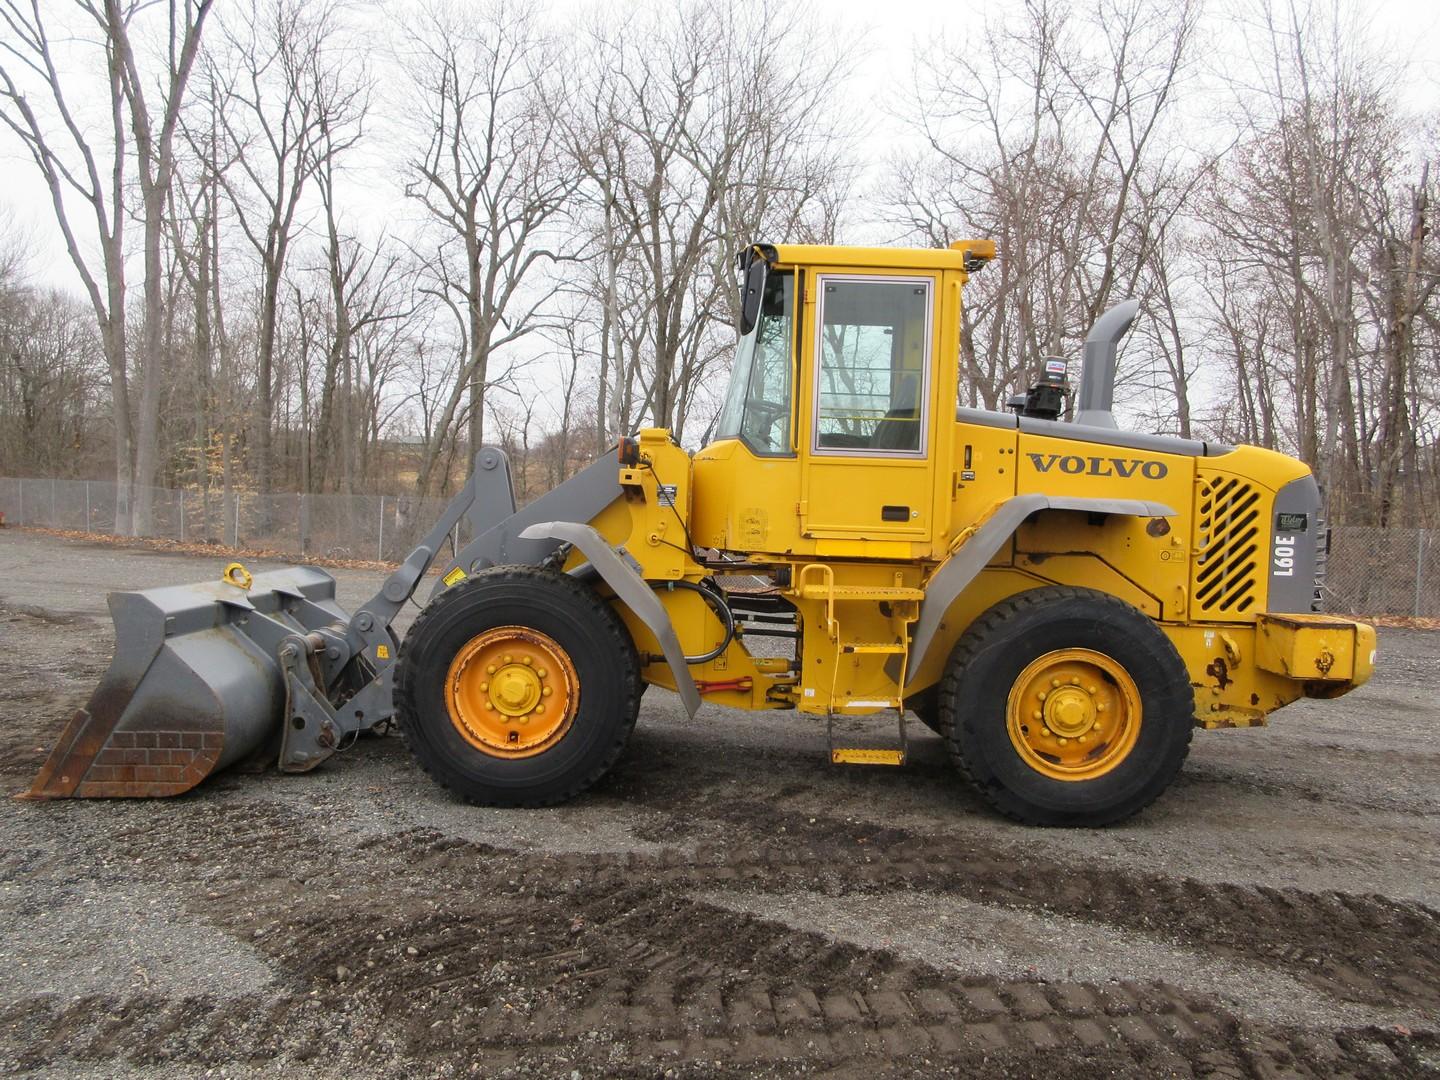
x=189 y=691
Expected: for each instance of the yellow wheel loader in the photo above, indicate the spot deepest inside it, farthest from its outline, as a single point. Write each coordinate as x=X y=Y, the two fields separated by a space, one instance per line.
x=1062 y=602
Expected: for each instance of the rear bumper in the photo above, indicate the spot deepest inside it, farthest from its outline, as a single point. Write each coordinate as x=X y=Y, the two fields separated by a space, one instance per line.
x=1330 y=655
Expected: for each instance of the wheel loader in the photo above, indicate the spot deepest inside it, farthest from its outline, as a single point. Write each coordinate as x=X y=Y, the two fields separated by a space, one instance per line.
x=1062 y=602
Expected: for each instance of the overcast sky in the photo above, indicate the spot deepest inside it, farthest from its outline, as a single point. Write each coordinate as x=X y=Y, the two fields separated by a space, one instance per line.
x=884 y=36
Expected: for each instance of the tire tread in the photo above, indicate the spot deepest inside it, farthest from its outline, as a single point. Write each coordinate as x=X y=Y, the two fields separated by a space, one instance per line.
x=978 y=636
x=587 y=599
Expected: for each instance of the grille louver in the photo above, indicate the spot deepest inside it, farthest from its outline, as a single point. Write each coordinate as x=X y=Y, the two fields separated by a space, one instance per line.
x=1227 y=546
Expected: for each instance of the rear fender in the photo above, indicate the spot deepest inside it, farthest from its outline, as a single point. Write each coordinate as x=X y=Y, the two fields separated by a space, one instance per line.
x=955 y=575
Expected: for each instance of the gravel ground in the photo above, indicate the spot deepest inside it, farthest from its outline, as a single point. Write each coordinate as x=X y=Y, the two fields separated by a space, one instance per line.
x=725 y=903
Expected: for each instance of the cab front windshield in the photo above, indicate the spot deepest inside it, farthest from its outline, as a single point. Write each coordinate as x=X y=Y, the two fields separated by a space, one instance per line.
x=757 y=403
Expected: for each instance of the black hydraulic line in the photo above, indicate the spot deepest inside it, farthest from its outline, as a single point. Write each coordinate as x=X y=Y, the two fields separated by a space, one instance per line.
x=765 y=631
x=717 y=604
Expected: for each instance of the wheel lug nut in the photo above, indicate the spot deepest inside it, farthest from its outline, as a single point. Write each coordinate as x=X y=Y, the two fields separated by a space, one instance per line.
x=1048 y=733
x=489 y=707
x=509 y=659
x=490 y=670
x=1100 y=706
x=1041 y=695
x=547 y=691
x=484 y=686
x=1035 y=715
x=1094 y=689
x=1054 y=682
x=539 y=708
x=541 y=672
x=528 y=661
x=1063 y=740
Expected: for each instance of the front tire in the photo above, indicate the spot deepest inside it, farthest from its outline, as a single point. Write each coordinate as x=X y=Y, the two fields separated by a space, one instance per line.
x=517 y=687
x=1067 y=706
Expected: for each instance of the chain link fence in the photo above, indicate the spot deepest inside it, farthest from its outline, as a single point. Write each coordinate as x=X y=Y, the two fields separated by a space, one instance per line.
x=1371 y=571
x=1383 y=571
x=381 y=527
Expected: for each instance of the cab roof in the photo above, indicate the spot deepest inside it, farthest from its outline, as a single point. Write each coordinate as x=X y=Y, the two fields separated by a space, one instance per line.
x=967 y=255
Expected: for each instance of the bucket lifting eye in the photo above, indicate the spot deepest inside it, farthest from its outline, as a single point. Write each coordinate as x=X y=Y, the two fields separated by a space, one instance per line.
x=236 y=574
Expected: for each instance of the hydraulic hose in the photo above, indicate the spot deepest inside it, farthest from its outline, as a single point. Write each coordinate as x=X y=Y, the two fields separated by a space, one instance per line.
x=717 y=604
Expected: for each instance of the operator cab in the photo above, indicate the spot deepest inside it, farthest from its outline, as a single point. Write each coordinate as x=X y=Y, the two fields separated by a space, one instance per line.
x=872 y=376
x=832 y=423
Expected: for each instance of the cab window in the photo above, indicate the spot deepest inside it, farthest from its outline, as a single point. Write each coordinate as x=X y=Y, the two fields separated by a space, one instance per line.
x=757 y=407
x=874 y=362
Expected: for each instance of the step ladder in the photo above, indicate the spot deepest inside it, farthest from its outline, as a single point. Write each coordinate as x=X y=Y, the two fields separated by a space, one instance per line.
x=904 y=603
x=867 y=755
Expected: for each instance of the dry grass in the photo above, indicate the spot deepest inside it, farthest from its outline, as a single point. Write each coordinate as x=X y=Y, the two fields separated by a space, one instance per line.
x=1403 y=622
x=151 y=543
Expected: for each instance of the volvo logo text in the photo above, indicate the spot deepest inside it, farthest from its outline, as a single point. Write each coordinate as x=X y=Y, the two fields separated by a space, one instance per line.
x=1074 y=464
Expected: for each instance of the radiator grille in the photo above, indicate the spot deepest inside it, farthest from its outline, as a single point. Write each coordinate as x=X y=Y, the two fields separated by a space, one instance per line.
x=1227 y=546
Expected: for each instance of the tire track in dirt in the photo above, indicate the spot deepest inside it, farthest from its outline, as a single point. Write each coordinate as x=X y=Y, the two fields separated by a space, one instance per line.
x=469 y=948
x=1366 y=949
x=798 y=998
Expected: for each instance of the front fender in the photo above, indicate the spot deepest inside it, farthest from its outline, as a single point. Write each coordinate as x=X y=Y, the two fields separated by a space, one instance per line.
x=632 y=589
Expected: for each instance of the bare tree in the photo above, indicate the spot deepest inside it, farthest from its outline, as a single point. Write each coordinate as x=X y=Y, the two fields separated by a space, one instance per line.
x=71 y=165
x=288 y=98
x=1043 y=132
x=702 y=128
x=1403 y=295
x=491 y=177
x=155 y=169
x=1306 y=213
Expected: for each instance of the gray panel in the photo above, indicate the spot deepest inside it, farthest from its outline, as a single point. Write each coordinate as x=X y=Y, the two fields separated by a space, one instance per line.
x=986 y=418
x=955 y=576
x=1295 y=591
x=579 y=499
x=1134 y=440
x=629 y=587
x=1097 y=377
x=1060 y=429
x=494 y=493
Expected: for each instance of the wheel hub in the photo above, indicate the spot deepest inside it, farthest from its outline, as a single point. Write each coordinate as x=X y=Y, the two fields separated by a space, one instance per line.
x=511 y=692
x=1070 y=711
x=1073 y=714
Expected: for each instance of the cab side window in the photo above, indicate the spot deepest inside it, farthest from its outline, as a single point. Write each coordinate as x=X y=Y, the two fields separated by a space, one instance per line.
x=873 y=369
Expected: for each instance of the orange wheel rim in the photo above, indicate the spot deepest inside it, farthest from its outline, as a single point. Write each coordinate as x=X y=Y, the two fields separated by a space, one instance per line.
x=1073 y=714
x=512 y=692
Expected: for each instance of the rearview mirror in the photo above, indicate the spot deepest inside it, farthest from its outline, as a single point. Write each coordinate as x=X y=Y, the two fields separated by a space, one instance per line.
x=752 y=290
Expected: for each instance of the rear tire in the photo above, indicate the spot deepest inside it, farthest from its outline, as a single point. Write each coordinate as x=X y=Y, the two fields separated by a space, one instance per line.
x=926 y=707
x=1118 y=682
x=560 y=629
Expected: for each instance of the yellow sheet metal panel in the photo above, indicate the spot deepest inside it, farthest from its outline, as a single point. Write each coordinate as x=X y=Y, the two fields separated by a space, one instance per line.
x=1090 y=572
x=1232 y=536
x=1306 y=647
x=1231 y=689
x=880 y=258
x=982 y=474
x=1050 y=465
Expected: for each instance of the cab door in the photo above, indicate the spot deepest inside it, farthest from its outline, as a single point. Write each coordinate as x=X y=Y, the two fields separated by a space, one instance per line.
x=869 y=452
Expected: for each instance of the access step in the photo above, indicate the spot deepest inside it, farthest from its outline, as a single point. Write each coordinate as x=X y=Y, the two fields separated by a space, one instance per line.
x=865 y=756
x=885 y=648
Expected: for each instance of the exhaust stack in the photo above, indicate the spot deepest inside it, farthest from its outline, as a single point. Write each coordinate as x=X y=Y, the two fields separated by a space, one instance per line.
x=1097 y=376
